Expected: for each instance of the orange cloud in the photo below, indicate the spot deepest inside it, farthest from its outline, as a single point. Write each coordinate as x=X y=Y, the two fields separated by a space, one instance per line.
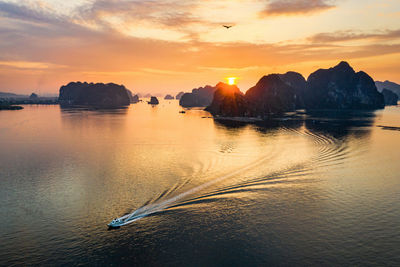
x=343 y=36
x=296 y=7
x=41 y=50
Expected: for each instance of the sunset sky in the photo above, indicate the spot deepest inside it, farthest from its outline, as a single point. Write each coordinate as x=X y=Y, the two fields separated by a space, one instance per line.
x=166 y=46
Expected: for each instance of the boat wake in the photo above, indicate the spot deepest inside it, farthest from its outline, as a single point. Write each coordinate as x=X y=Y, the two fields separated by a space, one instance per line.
x=151 y=208
x=330 y=151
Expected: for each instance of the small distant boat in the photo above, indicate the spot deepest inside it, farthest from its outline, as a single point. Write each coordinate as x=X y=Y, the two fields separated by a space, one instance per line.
x=124 y=220
x=116 y=223
x=182 y=111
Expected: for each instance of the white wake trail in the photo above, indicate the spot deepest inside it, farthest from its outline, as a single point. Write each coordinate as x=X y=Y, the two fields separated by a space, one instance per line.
x=157 y=207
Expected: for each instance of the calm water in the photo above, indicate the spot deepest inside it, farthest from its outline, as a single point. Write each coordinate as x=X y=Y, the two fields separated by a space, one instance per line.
x=310 y=189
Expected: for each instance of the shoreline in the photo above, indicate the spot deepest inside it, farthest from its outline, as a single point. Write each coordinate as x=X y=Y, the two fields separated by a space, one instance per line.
x=238 y=119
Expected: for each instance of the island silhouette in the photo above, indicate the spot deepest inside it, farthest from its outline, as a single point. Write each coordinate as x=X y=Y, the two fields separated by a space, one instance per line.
x=337 y=88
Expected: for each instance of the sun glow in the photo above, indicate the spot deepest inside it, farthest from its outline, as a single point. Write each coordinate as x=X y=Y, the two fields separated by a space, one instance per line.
x=231 y=80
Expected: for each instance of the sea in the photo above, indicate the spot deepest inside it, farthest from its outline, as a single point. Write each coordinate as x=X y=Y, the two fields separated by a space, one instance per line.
x=317 y=188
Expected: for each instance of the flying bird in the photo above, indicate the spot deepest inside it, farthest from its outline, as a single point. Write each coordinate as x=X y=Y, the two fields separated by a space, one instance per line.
x=227 y=26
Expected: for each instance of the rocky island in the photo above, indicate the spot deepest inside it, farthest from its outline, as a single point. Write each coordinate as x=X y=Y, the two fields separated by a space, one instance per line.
x=179 y=95
x=199 y=97
x=169 y=97
x=339 y=87
x=391 y=98
x=153 y=101
x=7 y=106
x=228 y=101
x=133 y=98
x=394 y=87
x=94 y=94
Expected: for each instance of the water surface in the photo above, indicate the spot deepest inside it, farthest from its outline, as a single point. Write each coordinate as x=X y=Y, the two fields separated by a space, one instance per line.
x=309 y=189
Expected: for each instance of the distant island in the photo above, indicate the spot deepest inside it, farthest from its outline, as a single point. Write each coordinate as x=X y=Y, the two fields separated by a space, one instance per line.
x=339 y=87
x=153 y=101
x=133 y=98
x=394 y=87
x=390 y=91
x=6 y=106
x=5 y=95
x=169 y=97
x=199 y=97
x=10 y=101
x=390 y=98
x=101 y=95
x=179 y=95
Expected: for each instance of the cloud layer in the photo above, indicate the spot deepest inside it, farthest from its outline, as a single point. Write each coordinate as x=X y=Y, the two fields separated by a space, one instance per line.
x=296 y=7
x=344 y=36
x=164 y=45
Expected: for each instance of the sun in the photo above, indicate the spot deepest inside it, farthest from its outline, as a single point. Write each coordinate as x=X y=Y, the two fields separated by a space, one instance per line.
x=231 y=80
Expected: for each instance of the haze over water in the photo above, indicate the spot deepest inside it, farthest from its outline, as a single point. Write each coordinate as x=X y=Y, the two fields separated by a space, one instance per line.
x=310 y=189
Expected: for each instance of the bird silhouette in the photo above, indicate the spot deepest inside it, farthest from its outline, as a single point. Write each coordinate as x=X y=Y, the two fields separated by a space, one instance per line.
x=227 y=26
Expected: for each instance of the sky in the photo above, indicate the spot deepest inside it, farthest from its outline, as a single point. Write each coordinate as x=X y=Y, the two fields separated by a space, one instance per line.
x=167 y=46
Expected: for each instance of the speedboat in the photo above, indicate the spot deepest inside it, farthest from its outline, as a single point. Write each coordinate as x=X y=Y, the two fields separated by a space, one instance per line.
x=116 y=223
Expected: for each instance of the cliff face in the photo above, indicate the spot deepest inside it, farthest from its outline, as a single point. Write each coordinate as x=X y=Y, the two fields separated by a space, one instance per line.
x=270 y=95
x=390 y=97
x=341 y=87
x=200 y=97
x=298 y=83
x=90 y=94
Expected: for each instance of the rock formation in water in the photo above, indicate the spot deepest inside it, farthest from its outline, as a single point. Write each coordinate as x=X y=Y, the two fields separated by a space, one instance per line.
x=93 y=94
x=341 y=87
x=270 y=95
x=298 y=83
x=169 y=97
x=132 y=98
x=394 y=87
x=135 y=99
x=390 y=97
x=33 y=96
x=7 y=106
x=199 y=97
x=228 y=101
x=153 y=101
x=179 y=95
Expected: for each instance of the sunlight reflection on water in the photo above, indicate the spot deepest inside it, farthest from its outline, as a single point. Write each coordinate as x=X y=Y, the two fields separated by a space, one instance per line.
x=313 y=189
